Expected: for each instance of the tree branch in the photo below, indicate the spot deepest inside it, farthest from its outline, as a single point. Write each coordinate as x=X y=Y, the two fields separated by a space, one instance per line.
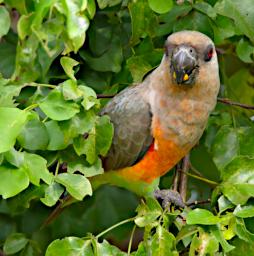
x=221 y=100
x=184 y=177
x=105 y=96
x=233 y=103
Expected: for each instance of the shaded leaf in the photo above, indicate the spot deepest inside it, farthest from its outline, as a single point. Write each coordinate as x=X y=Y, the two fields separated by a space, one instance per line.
x=5 y=21
x=12 y=181
x=52 y=194
x=14 y=243
x=77 y=185
x=11 y=123
x=68 y=64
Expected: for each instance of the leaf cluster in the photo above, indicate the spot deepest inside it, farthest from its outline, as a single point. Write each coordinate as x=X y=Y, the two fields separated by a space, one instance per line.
x=55 y=56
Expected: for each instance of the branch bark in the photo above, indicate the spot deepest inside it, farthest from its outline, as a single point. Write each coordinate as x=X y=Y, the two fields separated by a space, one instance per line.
x=234 y=103
x=184 y=177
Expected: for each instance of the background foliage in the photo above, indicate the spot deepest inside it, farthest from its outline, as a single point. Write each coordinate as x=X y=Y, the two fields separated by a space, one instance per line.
x=55 y=55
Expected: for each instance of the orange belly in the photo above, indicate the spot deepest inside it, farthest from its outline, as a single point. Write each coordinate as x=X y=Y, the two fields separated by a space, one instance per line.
x=159 y=159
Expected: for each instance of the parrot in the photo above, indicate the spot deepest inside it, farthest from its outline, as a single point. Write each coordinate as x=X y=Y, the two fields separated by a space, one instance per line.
x=158 y=121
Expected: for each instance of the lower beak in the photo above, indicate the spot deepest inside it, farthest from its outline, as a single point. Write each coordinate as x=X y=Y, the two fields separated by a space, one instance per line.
x=183 y=63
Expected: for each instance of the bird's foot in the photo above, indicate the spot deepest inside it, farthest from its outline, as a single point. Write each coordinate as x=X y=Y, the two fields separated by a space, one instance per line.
x=168 y=196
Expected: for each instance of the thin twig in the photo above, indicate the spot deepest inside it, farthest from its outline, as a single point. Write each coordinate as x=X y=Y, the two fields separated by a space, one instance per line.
x=105 y=96
x=213 y=183
x=221 y=100
x=207 y=201
x=176 y=177
x=114 y=226
x=131 y=239
x=184 y=177
x=233 y=103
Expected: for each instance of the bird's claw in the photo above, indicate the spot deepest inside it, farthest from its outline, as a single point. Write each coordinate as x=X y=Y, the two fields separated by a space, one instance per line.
x=169 y=196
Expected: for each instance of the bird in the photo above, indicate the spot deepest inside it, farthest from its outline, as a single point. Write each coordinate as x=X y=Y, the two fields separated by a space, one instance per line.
x=158 y=121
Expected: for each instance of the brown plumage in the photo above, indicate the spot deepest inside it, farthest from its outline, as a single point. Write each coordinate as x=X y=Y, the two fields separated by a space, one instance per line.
x=167 y=112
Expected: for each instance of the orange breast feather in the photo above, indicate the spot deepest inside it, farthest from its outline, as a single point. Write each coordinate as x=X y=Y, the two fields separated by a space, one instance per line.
x=158 y=160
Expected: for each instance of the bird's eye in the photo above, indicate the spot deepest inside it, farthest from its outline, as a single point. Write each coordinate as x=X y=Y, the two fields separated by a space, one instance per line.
x=208 y=53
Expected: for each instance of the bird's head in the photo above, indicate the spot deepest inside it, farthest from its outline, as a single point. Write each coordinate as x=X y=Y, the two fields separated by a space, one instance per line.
x=191 y=56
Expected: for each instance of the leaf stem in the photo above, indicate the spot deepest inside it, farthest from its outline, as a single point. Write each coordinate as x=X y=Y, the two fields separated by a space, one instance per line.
x=31 y=107
x=115 y=226
x=201 y=178
x=40 y=85
x=131 y=239
x=57 y=168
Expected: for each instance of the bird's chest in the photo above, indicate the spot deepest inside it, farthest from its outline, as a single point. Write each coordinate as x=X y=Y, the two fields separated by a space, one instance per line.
x=182 y=120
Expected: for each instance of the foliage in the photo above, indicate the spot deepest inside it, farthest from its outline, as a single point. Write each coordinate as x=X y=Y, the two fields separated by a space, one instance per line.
x=55 y=55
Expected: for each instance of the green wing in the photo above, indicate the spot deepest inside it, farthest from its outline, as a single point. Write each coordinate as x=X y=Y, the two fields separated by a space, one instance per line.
x=131 y=117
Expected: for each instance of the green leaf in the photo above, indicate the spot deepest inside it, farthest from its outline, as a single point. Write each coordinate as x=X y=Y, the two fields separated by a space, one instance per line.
x=245 y=211
x=238 y=177
x=7 y=93
x=70 y=246
x=111 y=60
x=138 y=67
x=34 y=135
x=12 y=181
x=71 y=90
x=186 y=231
x=203 y=244
x=89 y=97
x=223 y=29
x=105 y=248
x=91 y=8
x=56 y=108
x=56 y=136
x=242 y=232
x=163 y=243
x=218 y=234
x=77 y=23
x=11 y=123
x=241 y=12
x=195 y=21
x=107 y=3
x=161 y=6
x=68 y=64
x=148 y=213
x=77 y=185
x=225 y=146
x=14 y=243
x=201 y=216
x=245 y=51
x=206 y=9
x=242 y=246
x=36 y=167
x=5 y=21
x=86 y=147
x=104 y=135
x=21 y=202
x=241 y=91
x=98 y=141
x=143 y=20
x=224 y=204
x=82 y=166
x=52 y=194
x=7 y=63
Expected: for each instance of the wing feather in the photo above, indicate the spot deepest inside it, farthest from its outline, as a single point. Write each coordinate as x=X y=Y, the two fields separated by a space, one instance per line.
x=131 y=117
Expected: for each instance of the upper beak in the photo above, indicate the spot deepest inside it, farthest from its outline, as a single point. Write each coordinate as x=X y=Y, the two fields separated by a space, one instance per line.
x=184 y=61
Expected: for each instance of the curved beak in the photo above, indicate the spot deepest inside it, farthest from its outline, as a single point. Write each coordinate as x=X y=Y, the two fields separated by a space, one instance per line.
x=184 y=61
